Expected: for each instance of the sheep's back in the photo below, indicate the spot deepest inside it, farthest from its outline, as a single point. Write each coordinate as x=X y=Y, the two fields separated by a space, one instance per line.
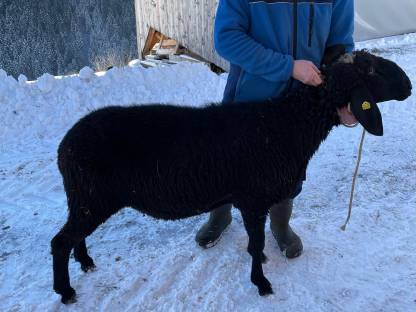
x=160 y=156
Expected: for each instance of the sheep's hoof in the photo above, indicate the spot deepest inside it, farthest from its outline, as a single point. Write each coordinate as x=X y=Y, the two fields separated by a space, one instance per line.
x=69 y=296
x=263 y=285
x=88 y=267
x=87 y=264
x=265 y=289
x=69 y=300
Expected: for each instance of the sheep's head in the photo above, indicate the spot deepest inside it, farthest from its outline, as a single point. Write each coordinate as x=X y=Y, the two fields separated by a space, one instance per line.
x=366 y=79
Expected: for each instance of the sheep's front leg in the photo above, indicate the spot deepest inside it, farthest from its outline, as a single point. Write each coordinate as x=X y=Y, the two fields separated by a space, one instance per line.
x=254 y=225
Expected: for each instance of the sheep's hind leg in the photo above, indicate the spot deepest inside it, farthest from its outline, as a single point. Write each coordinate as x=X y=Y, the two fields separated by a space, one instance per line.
x=254 y=225
x=62 y=245
x=81 y=255
x=71 y=235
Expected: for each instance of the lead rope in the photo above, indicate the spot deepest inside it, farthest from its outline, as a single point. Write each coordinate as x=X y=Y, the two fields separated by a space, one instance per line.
x=360 y=150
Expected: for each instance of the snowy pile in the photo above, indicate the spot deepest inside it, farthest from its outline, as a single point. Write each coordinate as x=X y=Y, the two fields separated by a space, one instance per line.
x=145 y=264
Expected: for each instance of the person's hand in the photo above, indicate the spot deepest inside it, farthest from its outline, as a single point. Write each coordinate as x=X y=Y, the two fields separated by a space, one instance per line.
x=346 y=117
x=307 y=73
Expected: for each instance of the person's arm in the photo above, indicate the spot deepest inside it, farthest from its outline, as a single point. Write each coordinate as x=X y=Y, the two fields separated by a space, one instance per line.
x=234 y=44
x=342 y=25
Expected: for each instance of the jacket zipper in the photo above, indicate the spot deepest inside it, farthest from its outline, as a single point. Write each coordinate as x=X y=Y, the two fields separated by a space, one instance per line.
x=311 y=21
x=295 y=37
x=295 y=29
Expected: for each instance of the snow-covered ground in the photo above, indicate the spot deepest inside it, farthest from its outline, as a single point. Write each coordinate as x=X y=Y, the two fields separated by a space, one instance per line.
x=149 y=265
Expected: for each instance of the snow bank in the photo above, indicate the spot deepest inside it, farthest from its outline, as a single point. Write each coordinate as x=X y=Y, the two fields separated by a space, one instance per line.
x=42 y=110
x=149 y=265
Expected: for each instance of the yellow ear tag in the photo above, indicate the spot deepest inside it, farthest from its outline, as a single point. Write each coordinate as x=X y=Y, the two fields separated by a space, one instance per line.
x=366 y=105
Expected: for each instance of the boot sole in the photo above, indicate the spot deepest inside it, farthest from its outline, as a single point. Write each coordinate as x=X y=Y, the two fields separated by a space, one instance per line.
x=215 y=242
x=284 y=250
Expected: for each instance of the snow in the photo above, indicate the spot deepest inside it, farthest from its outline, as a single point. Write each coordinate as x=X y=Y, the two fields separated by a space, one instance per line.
x=150 y=265
x=86 y=73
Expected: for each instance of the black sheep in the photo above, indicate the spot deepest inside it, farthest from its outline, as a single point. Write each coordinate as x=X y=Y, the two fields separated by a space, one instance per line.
x=176 y=162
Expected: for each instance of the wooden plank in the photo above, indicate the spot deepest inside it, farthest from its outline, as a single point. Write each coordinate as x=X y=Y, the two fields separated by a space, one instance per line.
x=168 y=43
x=151 y=40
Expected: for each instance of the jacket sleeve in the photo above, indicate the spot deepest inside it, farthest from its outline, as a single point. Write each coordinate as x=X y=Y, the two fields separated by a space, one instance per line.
x=234 y=44
x=342 y=25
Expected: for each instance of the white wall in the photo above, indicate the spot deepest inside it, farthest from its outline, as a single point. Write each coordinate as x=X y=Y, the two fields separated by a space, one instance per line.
x=381 y=18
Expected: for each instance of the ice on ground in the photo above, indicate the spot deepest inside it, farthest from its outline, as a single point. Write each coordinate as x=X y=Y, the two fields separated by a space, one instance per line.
x=149 y=265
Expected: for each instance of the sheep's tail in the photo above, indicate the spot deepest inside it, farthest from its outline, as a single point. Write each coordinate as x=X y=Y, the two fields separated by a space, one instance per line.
x=353 y=181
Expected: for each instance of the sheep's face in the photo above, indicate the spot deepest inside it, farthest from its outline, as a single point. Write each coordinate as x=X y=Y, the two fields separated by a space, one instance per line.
x=385 y=79
x=371 y=79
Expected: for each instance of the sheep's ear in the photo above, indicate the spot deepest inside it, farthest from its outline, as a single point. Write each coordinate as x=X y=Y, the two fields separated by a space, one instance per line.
x=332 y=54
x=365 y=109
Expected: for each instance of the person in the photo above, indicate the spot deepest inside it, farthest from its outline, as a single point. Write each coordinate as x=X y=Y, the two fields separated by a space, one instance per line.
x=273 y=46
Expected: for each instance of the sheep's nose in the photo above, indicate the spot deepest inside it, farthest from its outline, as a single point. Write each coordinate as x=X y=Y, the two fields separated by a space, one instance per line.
x=409 y=87
x=406 y=89
x=407 y=82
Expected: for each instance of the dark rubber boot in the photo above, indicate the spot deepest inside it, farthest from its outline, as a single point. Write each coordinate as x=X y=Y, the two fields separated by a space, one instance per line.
x=289 y=243
x=210 y=233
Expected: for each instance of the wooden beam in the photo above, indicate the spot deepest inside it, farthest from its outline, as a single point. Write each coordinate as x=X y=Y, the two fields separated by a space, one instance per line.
x=153 y=37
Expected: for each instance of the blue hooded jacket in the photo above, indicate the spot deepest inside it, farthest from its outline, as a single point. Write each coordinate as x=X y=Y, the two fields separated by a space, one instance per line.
x=262 y=38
